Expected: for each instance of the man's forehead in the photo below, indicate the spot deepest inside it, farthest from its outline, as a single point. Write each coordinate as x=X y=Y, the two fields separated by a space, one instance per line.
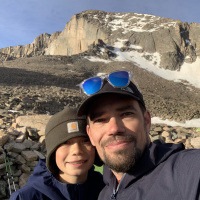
x=110 y=97
x=98 y=105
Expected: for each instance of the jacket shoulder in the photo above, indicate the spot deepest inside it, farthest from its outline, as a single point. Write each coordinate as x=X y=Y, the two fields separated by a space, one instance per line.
x=26 y=192
x=188 y=157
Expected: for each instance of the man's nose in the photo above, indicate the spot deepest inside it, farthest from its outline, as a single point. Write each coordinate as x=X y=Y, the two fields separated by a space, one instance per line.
x=116 y=126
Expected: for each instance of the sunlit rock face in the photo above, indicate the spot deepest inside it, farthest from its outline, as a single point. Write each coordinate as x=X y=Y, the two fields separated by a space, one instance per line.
x=175 y=41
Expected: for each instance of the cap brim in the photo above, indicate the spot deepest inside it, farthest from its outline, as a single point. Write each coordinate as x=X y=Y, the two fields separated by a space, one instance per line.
x=82 y=110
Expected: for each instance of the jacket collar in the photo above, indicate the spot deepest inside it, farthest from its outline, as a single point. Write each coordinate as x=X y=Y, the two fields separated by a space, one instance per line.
x=153 y=155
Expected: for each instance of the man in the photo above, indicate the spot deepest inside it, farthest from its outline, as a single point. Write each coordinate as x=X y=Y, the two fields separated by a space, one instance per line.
x=135 y=168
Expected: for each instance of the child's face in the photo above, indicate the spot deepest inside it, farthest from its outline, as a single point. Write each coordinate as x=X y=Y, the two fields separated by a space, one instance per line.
x=74 y=158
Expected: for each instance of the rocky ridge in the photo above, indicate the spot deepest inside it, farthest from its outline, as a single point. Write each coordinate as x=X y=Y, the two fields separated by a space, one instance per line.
x=175 y=41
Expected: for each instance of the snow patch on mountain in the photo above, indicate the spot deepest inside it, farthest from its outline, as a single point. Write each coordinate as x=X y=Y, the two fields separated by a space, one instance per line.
x=189 y=72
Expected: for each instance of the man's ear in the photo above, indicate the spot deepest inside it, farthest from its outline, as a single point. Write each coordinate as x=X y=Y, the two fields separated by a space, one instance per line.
x=147 y=119
x=89 y=134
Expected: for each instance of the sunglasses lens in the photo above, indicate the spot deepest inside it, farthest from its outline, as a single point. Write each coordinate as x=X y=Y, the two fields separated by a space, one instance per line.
x=92 y=85
x=119 y=78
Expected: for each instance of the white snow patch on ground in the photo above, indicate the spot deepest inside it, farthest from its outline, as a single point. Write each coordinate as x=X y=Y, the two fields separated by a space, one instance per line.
x=189 y=123
x=94 y=59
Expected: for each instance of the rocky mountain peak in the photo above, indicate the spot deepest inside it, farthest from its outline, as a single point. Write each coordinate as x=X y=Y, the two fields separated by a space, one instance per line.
x=175 y=41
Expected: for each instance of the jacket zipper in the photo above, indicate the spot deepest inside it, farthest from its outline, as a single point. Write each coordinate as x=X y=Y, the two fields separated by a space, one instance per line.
x=115 y=191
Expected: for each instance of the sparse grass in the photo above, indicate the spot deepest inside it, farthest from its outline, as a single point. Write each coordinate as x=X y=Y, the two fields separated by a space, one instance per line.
x=99 y=169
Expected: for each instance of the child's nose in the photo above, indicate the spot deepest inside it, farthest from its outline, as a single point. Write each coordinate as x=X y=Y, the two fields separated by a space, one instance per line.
x=76 y=149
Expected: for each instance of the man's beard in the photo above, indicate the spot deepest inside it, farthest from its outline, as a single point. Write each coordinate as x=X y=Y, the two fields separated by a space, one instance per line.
x=125 y=158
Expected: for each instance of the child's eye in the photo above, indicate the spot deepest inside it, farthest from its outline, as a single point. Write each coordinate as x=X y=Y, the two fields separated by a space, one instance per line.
x=99 y=120
x=86 y=140
x=67 y=142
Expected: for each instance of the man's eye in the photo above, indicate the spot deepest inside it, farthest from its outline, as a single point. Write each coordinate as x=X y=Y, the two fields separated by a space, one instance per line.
x=127 y=114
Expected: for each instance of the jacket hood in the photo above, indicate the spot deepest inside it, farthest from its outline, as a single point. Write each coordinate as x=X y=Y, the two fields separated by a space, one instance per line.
x=43 y=181
x=153 y=155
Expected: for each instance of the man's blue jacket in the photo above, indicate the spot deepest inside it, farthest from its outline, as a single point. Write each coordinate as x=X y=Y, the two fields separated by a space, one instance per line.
x=42 y=185
x=166 y=171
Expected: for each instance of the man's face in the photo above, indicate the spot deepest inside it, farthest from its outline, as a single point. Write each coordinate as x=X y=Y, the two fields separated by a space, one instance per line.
x=119 y=130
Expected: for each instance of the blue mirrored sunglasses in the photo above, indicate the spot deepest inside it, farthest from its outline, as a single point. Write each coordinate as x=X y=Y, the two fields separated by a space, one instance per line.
x=119 y=79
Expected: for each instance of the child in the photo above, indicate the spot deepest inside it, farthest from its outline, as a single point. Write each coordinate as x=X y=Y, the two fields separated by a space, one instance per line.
x=68 y=172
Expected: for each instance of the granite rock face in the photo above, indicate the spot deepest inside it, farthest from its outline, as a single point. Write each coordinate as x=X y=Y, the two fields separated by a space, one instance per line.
x=174 y=40
x=79 y=33
x=36 y=48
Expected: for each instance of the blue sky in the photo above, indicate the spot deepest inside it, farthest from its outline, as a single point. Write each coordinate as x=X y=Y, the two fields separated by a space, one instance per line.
x=23 y=20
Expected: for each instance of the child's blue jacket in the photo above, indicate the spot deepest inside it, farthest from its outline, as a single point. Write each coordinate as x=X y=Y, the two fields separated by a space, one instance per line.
x=42 y=185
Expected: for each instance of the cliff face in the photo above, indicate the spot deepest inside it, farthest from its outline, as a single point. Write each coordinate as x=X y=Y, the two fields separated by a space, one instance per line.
x=175 y=41
x=78 y=34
